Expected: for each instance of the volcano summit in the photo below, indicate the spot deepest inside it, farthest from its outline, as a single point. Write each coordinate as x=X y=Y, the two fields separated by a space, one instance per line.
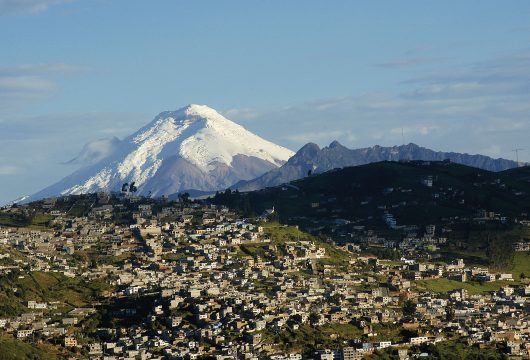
x=194 y=147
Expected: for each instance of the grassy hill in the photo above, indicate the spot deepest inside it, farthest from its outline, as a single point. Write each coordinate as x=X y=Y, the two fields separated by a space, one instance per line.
x=12 y=349
x=521 y=266
x=443 y=285
x=43 y=286
x=282 y=235
x=37 y=220
x=362 y=194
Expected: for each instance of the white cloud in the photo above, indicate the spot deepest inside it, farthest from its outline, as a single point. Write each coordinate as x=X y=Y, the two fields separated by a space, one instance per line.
x=40 y=69
x=415 y=130
x=493 y=150
x=18 y=91
x=19 y=84
x=8 y=170
x=409 y=62
x=462 y=109
x=96 y=150
x=242 y=114
x=502 y=76
x=323 y=137
x=117 y=130
x=26 y=7
x=25 y=83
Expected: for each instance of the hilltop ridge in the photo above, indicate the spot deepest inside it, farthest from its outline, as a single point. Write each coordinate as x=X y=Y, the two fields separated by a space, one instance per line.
x=311 y=159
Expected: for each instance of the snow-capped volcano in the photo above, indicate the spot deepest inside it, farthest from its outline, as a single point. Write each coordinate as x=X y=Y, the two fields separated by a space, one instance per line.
x=192 y=148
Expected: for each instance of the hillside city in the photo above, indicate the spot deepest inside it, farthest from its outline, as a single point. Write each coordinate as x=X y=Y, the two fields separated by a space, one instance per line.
x=264 y=180
x=119 y=276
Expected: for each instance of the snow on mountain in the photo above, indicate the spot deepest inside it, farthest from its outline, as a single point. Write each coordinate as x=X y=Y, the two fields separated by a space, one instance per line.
x=192 y=148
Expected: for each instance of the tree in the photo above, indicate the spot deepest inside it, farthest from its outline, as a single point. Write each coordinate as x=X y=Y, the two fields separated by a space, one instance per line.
x=337 y=298
x=314 y=318
x=409 y=308
x=132 y=187
x=450 y=313
x=184 y=197
x=246 y=206
x=500 y=252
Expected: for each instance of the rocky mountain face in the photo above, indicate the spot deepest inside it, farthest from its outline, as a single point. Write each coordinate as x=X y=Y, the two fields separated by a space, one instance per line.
x=192 y=148
x=310 y=159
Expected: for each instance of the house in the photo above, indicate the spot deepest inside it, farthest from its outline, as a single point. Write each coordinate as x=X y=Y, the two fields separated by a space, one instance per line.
x=22 y=334
x=418 y=340
x=95 y=349
x=69 y=341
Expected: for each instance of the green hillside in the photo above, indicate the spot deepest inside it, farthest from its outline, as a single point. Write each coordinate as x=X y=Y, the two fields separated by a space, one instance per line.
x=43 y=286
x=12 y=349
x=361 y=192
x=282 y=235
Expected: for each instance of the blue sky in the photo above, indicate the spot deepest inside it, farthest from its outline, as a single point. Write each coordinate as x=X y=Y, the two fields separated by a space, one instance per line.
x=455 y=75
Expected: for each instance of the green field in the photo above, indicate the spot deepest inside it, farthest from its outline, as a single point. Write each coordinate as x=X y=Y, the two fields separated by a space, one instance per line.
x=308 y=337
x=282 y=234
x=443 y=285
x=41 y=220
x=15 y=220
x=255 y=250
x=330 y=335
x=38 y=220
x=521 y=265
x=45 y=286
x=456 y=349
x=12 y=349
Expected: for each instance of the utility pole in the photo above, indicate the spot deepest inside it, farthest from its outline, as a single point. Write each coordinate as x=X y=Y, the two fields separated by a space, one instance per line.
x=516 y=151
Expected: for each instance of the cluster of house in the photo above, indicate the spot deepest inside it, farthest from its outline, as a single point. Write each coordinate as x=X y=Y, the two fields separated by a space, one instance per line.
x=189 y=281
x=393 y=202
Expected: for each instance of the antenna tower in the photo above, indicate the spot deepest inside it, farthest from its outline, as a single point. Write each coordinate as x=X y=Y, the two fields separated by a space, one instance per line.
x=516 y=151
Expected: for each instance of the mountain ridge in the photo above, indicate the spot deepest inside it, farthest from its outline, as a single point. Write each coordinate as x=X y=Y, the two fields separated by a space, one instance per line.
x=196 y=148
x=311 y=159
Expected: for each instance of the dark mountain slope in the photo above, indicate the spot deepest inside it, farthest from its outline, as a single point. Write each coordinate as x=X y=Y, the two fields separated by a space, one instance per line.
x=362 y=194
x=311 y=159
